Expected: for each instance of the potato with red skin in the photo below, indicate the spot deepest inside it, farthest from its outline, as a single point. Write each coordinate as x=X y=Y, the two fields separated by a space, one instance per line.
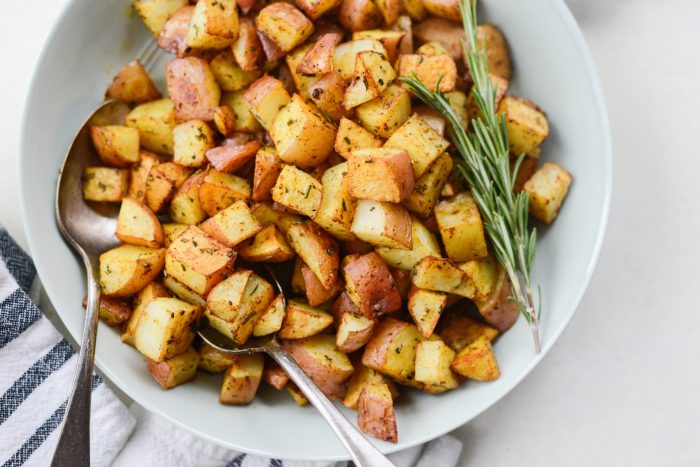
x=267 y=168
x=359 y=15
x=381 y=174
x=319 y=250
x=242 y=379
x=138 y=225
x=132 y=85
x=371 y=286
x=316 y=293
x=232 y=155
x=126 y=269
x=341 y=305
x=275 y=376
x=113 y=311
x=173 y=36
x=247 y=48
x=176 y=370
x=319 y=58
x=375 y=412
x=497 y=309
x=192 y=88
x=354 y=331
x=392 y=350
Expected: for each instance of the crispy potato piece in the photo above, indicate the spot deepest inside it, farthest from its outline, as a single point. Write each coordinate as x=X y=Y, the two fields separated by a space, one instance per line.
x=150 y=291
x=389 y=39
x=266 y=97
x=477 y=361
x=432 y=48
x=547 y=189
x=440 y=275
x=458 y=330
x=422 y=143
x=375 y=412
x=139 y=173
x=233 y=155
x=297 y=190
x=270 y=320
x=527 y=169
x=433 y=118
x=497 y=309
x=212 y=360
x=370 y=285
x=319 y=58
x=302 y=135
x=173 y=35
x=297 y=282
x=198 y=261
x=302 y=320
x=328 y=94
x=316 y=293
x=192 y=88
x=358 y=15
x=459 y=103
x=176 y=370
x=354 y=331
x=314 y=9
x=428 y=187
x=448 y=9
x=527 y=126
x=242 y=379
x=162 y=182
x=266 y=214
x=298 y=396
x=183 y=292
x=415 y=9
x=433 y=359
x=424 y=244
x=138 y=225
x=325 y=365
x=172 y=231
x=164 y=329
x=389 y=9
x=497 y=51
x=275 y=376
x=345 y=54
x=373 y=74
x=429 y=69
x=380 y=174
x=284 y=24
x=220 y=190
x=319 y=250
x=233 y=225
x=341 y=305
x=116 y=144
x=383 y=115
x=155 y=13
x=185 y=207
x=425 y=307
x=392 y=350
x=113 y=311
x=337 y=207
x=155 y=121
x=352 y=136
x=214 y=24
x=302 y=81
x=245 y=120
x=382 y=224
x=191 y=140
x=132 y=85
x=447 y=33
x=229 y=75
x=272 y=51
x=105 y=184
x=501 y=87
x=126 y=269
x=247 y=49
x=361 y=378
x=268 y=246
x=461 y=228
x=267 y=168
x=405 y=25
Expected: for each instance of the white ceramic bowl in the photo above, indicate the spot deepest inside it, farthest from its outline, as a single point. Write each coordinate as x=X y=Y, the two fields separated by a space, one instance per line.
x=93 y=39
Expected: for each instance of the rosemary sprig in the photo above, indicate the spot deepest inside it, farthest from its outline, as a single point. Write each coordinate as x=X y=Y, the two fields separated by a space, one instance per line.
x=486 y=167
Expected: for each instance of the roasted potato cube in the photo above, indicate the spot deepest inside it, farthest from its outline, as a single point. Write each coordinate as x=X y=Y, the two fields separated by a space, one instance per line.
x=345 y=54
x=220 y=190
x=405 y=25
x=314 y=9
x=352 y=136
x=380 y=174
x=382 y=224
x=440 y=275
x=354 y=331
x=138 y=225
x=247 y=49
x=297 y=190
x=461 y=228
x=383 y=115
x=426 y=191
x=498 y=309
x=302 y=320
x=176 y=370
x=139 y=174
x=430 y=69
x=458 y=330
x=424 y=244
x=192 y=88
x=297 y=395
x=477 y=361
x=155 y=121
x=326 y=366
x=433 y=359
x=113 y=311
x=198 y=261
x=275 y=376
x=245 y=120
x=448 y=9
x=370 y=285
x=284 y=24
x=403 y=281
x=266 y=214
x=164 y=329
x=150 y=291
x=319 y=250
x=173 y=36
x=105 y=184
x=234 y=154
x=242 y=379
x=271 y=319
x=491 y=37
x=302 y=81
x=266 y=97
x=459 y=104
x=191 y=140
x=361 y=378
x=172 y=231
x=415 y=9
x=267 y=169
x=126 y=269
x=341 y=305
x=302 y=135
x=547 y=189
x=155 y=13
x=432 y=117
x=328 y=94
x=116 y=144
x=213 y=360
x=162 y=182
x=233 y=225
x=337 y=207
x=183 y=292
x=527 y=169
x=316 y=293
x=392 y=350
x=319 y=58
x=185 y=207
x=375 y=413
x=214 y=24
x=229 y=75
x=132 y=85
x=268 y=246
x=527 y=126
x=373 y=74
x=448 y=33
x=389 y=39
x=422 y=143
x=358 y=15
x=501 y=87
x=432 y=48
x=483 y=274
x=389 y=9
x=425 y=307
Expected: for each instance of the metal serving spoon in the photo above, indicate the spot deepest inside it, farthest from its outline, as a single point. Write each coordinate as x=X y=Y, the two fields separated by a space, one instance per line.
x=89 y=229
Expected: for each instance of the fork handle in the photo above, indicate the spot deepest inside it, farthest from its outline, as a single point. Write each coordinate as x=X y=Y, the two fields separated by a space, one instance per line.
x=363 y=453
x=73 y=448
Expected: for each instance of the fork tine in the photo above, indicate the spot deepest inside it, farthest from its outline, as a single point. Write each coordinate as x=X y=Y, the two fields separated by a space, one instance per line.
x=149 y=55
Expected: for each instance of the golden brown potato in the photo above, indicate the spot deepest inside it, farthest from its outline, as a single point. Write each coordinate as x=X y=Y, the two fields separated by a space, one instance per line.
x=358 y=15
x=172 y=231
x=126 y=269
x=229 y=75
x=297 y=190
x=105 y=184
x=392 y=350
x=426 y=307
x=328 y=94
x=432 y=48
x=433 y=118
x=461 y=228
x=266 y=97
x=497 y=51
x=527 y=169
x=430 y=69
x=155 y=121
x=526 y=124
x=380 y=174
x=448 y=9
x=245 y=120
x=302 y=320
x=426 y=192
x=183 y=292
x=214 y=24
x=352 y=136
x=354 y=331
x=268 y=246
x=383 y=115
x=302 y=82
x=267 y=169
x=220 y=190
x=319 y=250
x=176 y=370
x=191 y=140
x=185 y=207
x=173 y=35
x=483 y=274
x=275 y=376
x=325 y=365
x=405 y=25
x=139 y=173
x=213 y=360
x=373 y=74
x=497 y=309
x=113 y=311
x=424 y=244
x=138 y=225
x=547 y=189
x=267 y=214
x=298 y=396
x=500 y=85
x=433 y=359
x=316 y=293
x=198 y=261
x=477 y=361
x=319 y=58
x=233 y=225
x=422 y=143
x=382 y=224
x=162 y=182
x=116 y=144
x=272 y=318
x=389 y=9
x=314 y=9
x=284 y=24
x=242 y=379
x=361 y=378
x=164 y=329
x=150 y=291
x=440 y=275
x=375 y=413
x=370 y=285
x=132 y=85
x=458 y=330
x=337 y=207
x=389 y=39
x=345 y=54
x=247 y=48
x=233 y=155
x=403 y=281
x=155 y=13
x=192 y=88
x=447 y=33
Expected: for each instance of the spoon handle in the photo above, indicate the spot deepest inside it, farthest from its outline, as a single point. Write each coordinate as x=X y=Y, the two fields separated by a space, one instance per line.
x=363 y=453
x=73 y=448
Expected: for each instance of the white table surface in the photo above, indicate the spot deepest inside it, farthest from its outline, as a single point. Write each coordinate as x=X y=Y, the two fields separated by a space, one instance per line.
x=622 y=385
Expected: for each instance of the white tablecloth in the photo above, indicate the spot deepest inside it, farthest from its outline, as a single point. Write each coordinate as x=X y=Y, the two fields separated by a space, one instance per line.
x=622 y=385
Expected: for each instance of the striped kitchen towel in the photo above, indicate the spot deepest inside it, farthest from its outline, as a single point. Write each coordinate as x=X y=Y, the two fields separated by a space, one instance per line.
x=36 y=374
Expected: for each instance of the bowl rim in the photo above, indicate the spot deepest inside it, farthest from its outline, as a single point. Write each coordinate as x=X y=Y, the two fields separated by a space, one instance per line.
x=576 y=34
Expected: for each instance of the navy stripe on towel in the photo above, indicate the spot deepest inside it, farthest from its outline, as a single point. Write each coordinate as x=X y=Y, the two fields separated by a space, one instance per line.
x=17 y=261
x=32 y=378
x=237 y=462
x=17 y=313
x=276 y=463
x=39 y=436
